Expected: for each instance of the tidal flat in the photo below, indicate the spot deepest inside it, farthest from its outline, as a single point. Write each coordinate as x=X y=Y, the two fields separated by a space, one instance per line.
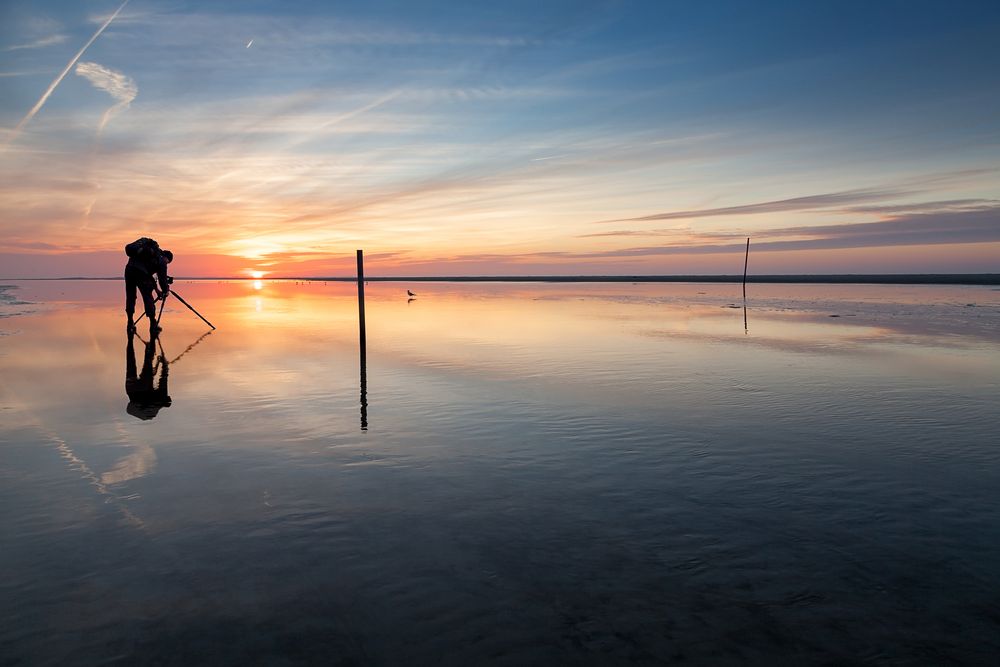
x=505 y=474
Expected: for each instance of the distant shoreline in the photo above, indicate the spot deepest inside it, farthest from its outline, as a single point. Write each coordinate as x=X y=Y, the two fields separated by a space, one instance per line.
x=876 y=279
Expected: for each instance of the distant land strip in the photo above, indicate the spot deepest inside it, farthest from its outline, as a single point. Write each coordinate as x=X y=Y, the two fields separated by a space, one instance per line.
x=846 y=278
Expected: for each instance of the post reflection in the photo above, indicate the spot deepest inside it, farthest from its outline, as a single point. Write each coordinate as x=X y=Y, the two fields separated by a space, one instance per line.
x=364 y=386
x=146 y=395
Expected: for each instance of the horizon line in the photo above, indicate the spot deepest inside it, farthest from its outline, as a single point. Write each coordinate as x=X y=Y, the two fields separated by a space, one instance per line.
x=880 y=278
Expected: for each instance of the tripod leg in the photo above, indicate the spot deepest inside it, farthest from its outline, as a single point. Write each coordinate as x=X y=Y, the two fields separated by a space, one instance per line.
x=162 y=304
x=181 y=299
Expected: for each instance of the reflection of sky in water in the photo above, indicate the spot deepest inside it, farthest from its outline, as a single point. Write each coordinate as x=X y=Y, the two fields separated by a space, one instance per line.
x=580 y=451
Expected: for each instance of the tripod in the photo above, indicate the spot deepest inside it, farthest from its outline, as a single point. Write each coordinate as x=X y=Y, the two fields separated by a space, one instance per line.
x=163 y=300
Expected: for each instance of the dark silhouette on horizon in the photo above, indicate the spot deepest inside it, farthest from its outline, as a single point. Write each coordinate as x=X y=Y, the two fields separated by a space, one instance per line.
x=146 y=396
x=147 y=263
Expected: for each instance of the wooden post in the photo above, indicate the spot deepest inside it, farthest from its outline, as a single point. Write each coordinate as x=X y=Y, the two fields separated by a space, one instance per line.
x=361 y=296
x=363 y=351
x=745 y=261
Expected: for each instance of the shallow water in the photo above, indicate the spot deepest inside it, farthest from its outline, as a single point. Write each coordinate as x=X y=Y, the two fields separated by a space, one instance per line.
x=529 y=474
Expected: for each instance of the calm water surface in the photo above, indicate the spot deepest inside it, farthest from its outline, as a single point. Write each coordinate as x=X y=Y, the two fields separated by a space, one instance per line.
x=520 y=474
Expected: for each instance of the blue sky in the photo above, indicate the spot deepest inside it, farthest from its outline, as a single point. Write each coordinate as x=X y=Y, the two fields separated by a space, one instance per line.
x=534 y=137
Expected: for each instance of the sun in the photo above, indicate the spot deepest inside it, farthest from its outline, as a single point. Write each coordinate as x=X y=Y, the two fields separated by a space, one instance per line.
x=256 y=275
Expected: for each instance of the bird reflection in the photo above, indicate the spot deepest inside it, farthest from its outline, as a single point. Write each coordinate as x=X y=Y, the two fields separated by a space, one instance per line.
x=145 y=395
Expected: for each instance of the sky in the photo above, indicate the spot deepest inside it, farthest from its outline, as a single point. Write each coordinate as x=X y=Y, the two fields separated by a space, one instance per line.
x=500 y=138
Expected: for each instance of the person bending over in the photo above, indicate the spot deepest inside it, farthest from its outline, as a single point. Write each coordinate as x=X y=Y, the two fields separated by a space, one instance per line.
x=147 y=263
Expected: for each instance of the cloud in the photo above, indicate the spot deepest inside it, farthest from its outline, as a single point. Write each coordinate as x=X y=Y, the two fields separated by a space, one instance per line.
x=924 y=207
x=890 y=211
x=810 y=202
x=38 y=43
x=626 y=232
x=121 y=87
x=33 y=245
x=116 y=84
x=972 y=225
x=55 y=82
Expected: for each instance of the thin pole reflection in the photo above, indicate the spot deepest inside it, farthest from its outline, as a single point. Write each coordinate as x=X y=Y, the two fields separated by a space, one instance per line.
x=364 y=388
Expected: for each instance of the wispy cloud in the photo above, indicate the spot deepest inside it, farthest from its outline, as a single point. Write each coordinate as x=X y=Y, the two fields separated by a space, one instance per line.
x=972 y=225
x=32 y=245
x=39 y=43
x=121 y=87
x=62 y=75
x=924 y=207
x=807 y=203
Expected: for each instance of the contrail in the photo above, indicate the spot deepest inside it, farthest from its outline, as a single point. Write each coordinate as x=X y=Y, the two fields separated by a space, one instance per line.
x=58 y=79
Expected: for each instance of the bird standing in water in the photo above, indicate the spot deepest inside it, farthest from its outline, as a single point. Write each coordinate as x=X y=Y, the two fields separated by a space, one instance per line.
x=409 y=293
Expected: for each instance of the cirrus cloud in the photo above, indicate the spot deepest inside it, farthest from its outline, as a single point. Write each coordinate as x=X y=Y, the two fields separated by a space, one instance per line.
x=120 y=86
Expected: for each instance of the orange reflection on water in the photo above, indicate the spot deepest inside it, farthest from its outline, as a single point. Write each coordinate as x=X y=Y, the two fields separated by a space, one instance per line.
x=275 y=343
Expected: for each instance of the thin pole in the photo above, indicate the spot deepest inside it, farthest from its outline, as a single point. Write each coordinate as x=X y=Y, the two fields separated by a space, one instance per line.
x=362 y=343
x=361 y=296
x=181 y=299
x=746 y=260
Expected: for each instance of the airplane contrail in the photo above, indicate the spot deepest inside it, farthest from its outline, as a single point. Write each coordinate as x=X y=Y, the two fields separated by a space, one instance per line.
x=45 y=96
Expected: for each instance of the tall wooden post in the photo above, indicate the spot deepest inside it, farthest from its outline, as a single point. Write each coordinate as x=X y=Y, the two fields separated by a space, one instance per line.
x=363 y=351
x=361 y=296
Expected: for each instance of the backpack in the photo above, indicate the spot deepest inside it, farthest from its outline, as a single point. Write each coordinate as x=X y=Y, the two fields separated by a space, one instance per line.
x=143 y=248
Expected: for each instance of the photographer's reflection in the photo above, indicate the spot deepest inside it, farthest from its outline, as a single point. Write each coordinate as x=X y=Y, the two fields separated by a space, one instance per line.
x=146 y=395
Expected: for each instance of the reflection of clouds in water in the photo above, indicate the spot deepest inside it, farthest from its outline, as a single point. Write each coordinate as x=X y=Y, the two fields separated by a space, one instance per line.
x=88 y=474
x=139 y=463
x=940 y=316
x=846 y=345
x=941 y=321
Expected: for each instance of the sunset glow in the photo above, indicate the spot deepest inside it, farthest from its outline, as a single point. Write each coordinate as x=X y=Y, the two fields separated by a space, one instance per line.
x=586 y=138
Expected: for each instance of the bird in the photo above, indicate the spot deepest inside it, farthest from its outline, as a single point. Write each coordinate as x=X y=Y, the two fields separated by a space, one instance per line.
x=409 y=293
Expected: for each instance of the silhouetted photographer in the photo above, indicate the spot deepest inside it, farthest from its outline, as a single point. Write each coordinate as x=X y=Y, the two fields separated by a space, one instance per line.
x=147 y=264
x=145 y=395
